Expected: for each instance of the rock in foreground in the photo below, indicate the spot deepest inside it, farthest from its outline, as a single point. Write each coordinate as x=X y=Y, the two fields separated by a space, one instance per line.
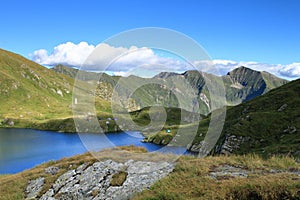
x=107 y=180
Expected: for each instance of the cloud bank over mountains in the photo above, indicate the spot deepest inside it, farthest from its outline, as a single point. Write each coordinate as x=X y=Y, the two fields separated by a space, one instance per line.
x=124 y=61
x=67 y=53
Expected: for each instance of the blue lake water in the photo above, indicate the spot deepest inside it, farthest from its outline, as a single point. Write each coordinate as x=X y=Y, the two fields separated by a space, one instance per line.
x=22 y=149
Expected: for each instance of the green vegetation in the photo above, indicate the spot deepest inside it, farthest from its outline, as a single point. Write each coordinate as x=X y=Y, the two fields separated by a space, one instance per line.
x=271 y=178
x=174 y=90
x=270 y=124
x=33 y=96
x=191 y=179
x=13 y=186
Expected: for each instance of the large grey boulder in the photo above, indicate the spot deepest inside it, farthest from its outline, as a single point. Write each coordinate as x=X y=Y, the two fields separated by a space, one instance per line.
x=94 y=182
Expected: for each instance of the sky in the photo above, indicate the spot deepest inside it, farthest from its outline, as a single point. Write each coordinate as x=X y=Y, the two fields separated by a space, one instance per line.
x=262 y=34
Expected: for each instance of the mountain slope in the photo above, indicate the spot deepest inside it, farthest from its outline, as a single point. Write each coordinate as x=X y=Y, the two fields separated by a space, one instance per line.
x=32 y=95
x=266 y=125
x=243 y=84
x=25 y=84
x=174 y=90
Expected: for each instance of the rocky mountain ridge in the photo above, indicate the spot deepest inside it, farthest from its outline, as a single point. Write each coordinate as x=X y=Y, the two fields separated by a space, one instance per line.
x=172 y=89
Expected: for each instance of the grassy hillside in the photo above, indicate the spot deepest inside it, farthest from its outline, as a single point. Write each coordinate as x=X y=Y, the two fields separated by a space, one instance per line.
x=33 y=96
x=31 y=91
x=217 y=178
x=175 y=90
x=220 y=177
x=266 y=125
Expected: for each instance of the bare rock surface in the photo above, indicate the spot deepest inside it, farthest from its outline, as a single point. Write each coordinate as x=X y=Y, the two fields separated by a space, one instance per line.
x=34 y=187
x=94 y=181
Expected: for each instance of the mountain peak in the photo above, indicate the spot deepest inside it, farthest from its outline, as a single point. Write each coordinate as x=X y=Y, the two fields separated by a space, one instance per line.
x=164 y=75
x=241 y=69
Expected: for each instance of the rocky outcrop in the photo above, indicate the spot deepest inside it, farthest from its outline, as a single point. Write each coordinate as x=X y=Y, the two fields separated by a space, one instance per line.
x=290 y=130
x=232 y=143
x=34 y=187
x=52 y=170
x=229 y=146
x=104 y=90
x=282 y=108
x=8 y=122
x=229 y=171
x=97 y=181
x=202 y=148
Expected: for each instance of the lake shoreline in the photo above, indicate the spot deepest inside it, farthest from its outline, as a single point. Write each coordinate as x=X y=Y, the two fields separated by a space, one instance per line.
x=23 y=148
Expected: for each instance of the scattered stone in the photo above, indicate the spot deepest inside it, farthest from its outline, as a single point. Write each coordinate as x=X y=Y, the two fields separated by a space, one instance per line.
x=248 y=117
x=8 y=122
x=11 y=123
x=232 y=143
x=52 y=170
x=245 y=110
x=201 y=148
x=34 y=187
x=282 y=108
x=228 y=171
x=290 y=130
x=60 y=93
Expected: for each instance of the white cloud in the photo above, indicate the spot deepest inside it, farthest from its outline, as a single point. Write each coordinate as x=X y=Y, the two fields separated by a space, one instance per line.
x=131 y=60
x=224 y=62
x=67 y=53
x=139 y=60
x=221 y=67
x=291 y=70
x=120 y=73
x=105 y=57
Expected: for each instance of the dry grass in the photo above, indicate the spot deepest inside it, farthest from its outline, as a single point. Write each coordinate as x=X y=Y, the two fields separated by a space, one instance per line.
x=118 y=179
x=12 y=187
x=189 y=180
x=132 y=148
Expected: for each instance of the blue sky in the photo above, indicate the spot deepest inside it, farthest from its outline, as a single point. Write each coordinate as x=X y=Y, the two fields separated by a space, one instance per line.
x=263 y=31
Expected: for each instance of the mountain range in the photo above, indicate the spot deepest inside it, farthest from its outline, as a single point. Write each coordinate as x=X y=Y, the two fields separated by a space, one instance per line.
x=188 y=90
x=262 y=109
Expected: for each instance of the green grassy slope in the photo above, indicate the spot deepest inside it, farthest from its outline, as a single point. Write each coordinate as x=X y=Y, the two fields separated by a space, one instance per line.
x=31 y=91
x=266 y=125
x=173 y=90
x=33 y=96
